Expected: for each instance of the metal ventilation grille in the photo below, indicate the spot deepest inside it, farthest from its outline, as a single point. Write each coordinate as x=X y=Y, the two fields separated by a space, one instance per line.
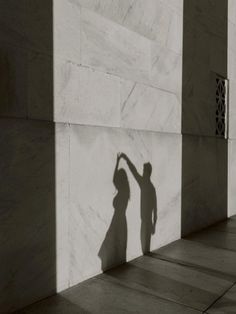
x=221 y=106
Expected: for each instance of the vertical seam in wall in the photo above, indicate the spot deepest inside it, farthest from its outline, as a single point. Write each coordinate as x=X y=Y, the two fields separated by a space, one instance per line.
x=69 y=207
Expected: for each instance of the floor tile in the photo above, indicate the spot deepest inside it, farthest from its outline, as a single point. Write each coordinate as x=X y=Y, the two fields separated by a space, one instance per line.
x=188 y=276
x=174 y=282
x=102 y=297
x=199 y=255
x=226 y=304
x=212 y=237
x=226 y=226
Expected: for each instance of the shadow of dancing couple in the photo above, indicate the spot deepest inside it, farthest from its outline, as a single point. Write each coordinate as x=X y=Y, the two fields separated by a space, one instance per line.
x=113 y=248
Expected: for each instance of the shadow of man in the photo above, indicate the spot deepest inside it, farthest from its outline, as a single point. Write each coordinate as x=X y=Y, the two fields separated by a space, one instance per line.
x=113 y=248
x=148 y=202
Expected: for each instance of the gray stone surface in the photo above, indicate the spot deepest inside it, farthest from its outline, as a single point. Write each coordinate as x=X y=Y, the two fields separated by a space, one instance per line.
x=216 y=238
x=177 y=283
x=40 y=87
x=91 y=192
x=30 y=27
x=27 y=213
x=232 y=68
x=228 y=226
x=205 y=160
x=26 y=64
x=204 y=55
x=101 y=296
x=204 y=182
x=226 y=304
x=183 y=277
x=231 y=175
x=209 y=258
x=13 y=83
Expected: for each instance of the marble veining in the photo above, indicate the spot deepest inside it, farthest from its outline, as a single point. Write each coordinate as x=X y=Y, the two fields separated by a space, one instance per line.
x=75 y=103
x=147 y=108
x=165 y=69
x=157 y=20
x=112 y=48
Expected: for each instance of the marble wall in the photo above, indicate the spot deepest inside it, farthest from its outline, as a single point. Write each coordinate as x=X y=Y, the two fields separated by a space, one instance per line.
x=125 y=68
x=204 y=156
x=204 y=182
x=204 y=56
x=27 y=213
x=90 y=152
x=85 y=80
x=27 y=158
x=81 y=82
x=232 y=107
x=118 y=88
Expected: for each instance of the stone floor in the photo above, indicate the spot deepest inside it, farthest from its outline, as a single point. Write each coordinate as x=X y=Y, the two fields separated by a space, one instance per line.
x=192 y=275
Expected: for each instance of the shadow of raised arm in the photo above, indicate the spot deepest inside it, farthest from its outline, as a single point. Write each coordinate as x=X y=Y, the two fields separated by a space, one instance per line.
x=132 y=168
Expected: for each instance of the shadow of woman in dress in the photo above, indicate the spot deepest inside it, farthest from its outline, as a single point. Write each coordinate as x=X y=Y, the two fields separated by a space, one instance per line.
x=113 y=248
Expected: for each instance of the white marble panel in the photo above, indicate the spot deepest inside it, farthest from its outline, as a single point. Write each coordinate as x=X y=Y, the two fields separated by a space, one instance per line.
x=231 y=72
x=112 y=48
x=67 y=30
x=166 y=69
x=232 y=35
x=147 y=108
x=86 y=96
x=155 y=19
x=232 y=11
x=115 y=10
x=231 y=65
x=62 y=149
x=175 y=32
x=93 y=152
x=231 y=178
x=176 y=4
x=232 y=109
x=232 y=87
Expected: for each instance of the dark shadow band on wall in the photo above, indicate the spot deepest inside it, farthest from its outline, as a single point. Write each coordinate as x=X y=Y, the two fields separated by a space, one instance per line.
x=204 y=155
x=27 y=157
